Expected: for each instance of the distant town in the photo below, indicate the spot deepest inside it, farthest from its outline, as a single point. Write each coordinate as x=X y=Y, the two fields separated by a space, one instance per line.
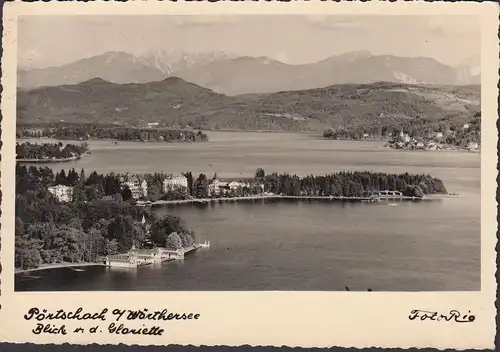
x=420 y=134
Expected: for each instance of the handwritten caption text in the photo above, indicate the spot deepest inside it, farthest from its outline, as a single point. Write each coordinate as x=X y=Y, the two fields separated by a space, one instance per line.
x=453 y=316
x=106 y=321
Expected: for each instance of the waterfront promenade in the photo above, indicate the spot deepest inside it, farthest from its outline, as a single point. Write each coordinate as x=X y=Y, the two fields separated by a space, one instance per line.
x=263 y=197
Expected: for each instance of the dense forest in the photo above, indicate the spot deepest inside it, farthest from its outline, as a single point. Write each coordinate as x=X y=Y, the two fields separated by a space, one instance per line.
x=353 y=184
x=454 y=133
x=49 y=150
x=75 y=131
x=48 y=231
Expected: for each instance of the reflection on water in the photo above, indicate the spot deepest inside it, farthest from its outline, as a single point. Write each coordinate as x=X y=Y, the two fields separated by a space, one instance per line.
x=307 y=245
x=284 y=245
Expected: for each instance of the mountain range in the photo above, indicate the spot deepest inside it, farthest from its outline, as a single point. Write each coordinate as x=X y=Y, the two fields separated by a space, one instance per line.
x=230 y=74
x=176 y=102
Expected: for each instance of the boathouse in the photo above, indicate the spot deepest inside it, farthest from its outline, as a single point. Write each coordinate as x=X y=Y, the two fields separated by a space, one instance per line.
x=139 y=257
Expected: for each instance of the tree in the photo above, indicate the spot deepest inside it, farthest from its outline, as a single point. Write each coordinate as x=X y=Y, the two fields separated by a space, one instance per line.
x=126 y=193
x=73 y=178
x=69 y=243
x=201 y=187
x=187 y=239
x=175 y=193
x=413 y=191
x=82 y=176
x=27 y=253
x=79 y=193
x=154 y=191
x=122 y=229
x=260 y=174
x=111 y=247
x=161 y=228
x=93 y=192
x=189 y=177
x=61 y=178
x=173 y=241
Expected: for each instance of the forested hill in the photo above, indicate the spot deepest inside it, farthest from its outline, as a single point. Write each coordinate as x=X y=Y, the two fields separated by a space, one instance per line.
x=177 y=103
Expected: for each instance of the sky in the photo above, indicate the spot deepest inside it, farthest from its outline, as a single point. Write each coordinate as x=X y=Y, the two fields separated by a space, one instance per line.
x=45 y=41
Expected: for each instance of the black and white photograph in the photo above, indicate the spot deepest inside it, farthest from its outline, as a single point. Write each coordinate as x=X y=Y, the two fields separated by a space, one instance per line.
x=248 y=153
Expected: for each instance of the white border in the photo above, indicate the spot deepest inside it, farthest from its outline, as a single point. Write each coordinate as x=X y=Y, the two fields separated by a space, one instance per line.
x=308 y=319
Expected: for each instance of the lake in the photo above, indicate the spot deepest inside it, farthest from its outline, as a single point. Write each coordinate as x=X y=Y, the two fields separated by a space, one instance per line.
x=306 y=245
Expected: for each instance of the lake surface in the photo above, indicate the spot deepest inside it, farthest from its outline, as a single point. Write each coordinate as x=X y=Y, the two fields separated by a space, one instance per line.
x=285 y=245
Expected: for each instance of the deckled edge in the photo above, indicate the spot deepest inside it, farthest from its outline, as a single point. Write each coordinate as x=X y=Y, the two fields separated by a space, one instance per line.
x=223 y=348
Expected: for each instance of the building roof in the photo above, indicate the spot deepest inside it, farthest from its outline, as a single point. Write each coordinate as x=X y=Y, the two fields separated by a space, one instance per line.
x=60 y=186
x=170 y=177
x=144 y=251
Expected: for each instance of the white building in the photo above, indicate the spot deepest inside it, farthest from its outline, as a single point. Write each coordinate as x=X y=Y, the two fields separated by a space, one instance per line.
x=137 y=187
x=472 y=146
x=439 y=134
x=174 y=181
x=216 y=187
x=62 y=193
x=420 y=145
x=466 y=126
x=236 y=184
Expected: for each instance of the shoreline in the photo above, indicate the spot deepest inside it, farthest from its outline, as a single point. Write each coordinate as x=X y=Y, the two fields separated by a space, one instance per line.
x=56 y=266
x=113 y=140
x=477 y=151
x=187 y=251
x=48 y=160
x=333 y=198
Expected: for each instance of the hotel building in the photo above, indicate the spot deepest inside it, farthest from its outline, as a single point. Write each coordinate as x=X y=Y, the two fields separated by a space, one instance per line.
x=62 y=193
x=173 y=182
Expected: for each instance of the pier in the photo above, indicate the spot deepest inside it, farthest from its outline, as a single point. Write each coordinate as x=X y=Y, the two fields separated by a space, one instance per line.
x=141 y=257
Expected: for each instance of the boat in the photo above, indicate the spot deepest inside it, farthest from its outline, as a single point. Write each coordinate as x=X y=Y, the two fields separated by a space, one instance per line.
x=205 y=244
x=77 y=269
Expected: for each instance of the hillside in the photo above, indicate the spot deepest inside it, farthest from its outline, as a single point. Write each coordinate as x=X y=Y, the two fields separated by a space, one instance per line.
x=98 y=100
x=231 y=75
x=175 y=102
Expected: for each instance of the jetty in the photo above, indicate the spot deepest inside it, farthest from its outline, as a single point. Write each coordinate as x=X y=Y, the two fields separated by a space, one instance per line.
x=141 y=257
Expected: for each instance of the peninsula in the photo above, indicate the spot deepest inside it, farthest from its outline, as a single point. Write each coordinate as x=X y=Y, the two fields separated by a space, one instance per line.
x=69 y=217
x=49 y=152
x=139 y=132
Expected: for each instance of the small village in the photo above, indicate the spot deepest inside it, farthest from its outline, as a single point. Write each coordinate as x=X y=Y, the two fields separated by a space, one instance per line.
x=436 y=142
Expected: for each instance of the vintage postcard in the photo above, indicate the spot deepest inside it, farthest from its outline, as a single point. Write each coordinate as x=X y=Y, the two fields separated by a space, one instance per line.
x=306 y=174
